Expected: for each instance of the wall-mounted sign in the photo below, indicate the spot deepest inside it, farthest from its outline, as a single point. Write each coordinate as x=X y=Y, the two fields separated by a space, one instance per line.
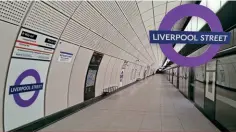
x=27 y=75
x=167 y=37
x=24 y=92
x=65 y=57
x=18 y=88
x=32 y=45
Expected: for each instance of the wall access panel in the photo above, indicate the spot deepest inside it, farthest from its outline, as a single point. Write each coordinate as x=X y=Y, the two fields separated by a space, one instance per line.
x=58 y=78
x=7 y=43
x=78 y=74
x=101 y=75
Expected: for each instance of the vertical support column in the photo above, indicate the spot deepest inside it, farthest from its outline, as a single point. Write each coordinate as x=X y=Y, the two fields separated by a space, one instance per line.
x=191 y=84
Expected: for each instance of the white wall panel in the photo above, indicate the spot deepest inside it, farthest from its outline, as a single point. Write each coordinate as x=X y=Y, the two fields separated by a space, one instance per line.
x=138 y=68
x=141 y=72
x=114 y=72
x=103 y=45
x=118 y=72
x=127 y=74
x=58 y=79
x=101 y=75
x=132 y=73
x=108 y=72
x=78 y=75
x=7 y=41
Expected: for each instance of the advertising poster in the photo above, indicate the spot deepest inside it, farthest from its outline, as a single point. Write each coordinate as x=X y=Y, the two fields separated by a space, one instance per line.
x=91 y=78
x=26 y=80
x=65 y=57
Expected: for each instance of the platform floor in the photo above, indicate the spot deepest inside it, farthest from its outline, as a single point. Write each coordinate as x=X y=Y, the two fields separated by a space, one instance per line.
x=151 y=105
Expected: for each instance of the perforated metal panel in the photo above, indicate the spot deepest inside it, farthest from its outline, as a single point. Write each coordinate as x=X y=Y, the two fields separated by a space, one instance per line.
x=140 y=30
x=45 y=19
x=13 y=11
x=111 y=33
x=74 y=32
x=128 y=32
x=118 y=40
x=91 y=40
x=131 y=11
x=66 y=7
x=89 y=17
x=112 y=50
x=103 y=45
x=112 y=12
x=118 y=53
x=135 y=41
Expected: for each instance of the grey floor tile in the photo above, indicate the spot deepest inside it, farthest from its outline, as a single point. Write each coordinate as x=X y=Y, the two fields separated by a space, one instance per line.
x=152 y=105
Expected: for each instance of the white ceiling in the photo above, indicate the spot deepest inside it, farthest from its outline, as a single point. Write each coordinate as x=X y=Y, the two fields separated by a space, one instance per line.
x=116 y=28
x=152 y=13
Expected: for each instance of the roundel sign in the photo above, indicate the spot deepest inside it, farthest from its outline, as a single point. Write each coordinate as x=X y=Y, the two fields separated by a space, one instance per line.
x=19 y=88
x=165 y=36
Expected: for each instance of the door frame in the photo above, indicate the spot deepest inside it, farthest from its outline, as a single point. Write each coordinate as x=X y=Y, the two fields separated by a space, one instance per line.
x=95 y=67
x=208 y=102
x=191 y=86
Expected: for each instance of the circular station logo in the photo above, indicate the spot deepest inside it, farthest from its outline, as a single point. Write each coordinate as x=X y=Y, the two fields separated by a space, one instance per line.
x=19 y=88
x=191 y=10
